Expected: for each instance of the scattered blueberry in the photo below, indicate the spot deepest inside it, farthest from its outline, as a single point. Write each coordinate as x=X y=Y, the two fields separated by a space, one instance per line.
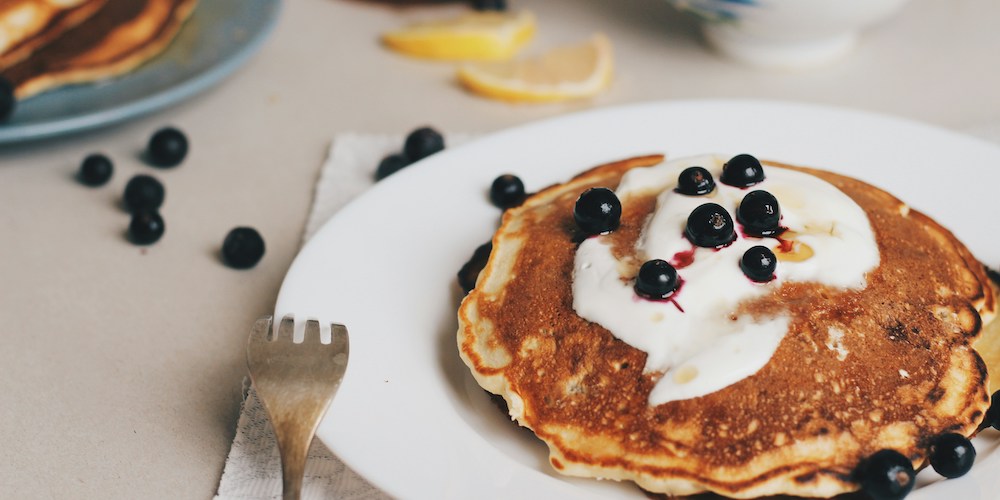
x=489 y=4
x=597 y=211
x=758 y=264
x=390 y=165
x=146 y=227
x=710 y=226
x=886 y=475
x=167 y=147
x=469 y=272
x=507 y=191
x=952 y=455
x=242 y=248
x=422 y=143
x=95 y=170
x=992 y=418
x=742 y=171
x=695 y=181
x=7 y=100
x=656 y=280
x=759 y=213
x=143 y=192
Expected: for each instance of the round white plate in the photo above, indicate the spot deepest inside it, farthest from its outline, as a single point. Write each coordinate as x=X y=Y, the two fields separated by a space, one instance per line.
x=409 y=416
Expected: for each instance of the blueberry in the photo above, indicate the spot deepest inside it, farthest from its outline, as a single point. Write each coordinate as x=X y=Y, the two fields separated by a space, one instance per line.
x=507 y=191
x=422 y=143
x=994 y=275
x=656 y=280
x=742 y=171
x=242 y=248
x=146 y=227
x=597 y=211
x=469 y=272
x=695 y=181
x=489 y=4
x=952 y=455
x=710 y=226
x=390 y=165
x=758 y=264
x=992 y=418
x=759 y=213
x=143 y=192
x=886 y=475
x=7 y=100
x=167 y=147
x=95 y=170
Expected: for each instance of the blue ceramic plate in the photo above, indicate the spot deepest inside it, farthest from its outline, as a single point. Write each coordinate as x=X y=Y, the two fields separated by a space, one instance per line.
x=218 y=38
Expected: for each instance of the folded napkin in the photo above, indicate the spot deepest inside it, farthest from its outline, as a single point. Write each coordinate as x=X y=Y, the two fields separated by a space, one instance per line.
x=253 y=468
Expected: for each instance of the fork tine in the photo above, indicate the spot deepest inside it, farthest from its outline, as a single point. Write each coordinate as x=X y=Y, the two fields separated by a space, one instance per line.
x=338 y=337
x=286 y=330
x=312 y=332
x=261 y=329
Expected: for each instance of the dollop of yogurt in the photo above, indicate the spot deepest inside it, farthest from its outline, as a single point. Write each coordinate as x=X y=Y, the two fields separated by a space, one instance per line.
x=694 y=339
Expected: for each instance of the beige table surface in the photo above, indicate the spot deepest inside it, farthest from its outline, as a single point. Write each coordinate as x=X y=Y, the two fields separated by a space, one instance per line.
x=121 y=367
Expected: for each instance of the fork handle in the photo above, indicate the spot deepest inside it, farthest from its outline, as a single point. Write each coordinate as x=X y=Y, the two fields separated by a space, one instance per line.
x=293 y=443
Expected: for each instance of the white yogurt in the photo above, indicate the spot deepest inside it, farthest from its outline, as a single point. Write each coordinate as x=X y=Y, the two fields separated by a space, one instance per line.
x=693 y=339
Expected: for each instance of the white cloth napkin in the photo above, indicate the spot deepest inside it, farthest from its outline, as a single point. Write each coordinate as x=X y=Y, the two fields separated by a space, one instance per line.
x=253 y=468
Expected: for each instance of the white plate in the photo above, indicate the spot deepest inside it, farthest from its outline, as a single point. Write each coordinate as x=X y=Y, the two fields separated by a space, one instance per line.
x=409 y=416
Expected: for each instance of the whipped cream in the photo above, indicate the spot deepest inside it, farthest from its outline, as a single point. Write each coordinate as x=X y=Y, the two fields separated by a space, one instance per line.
x=694 y=339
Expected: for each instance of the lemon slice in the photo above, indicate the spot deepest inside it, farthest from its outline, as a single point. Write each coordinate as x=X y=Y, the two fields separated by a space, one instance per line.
x=562 y=73
x=483 y=36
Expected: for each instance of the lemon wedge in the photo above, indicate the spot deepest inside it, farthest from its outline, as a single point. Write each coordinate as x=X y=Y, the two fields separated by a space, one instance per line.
x=562 y=73
x=481 y=36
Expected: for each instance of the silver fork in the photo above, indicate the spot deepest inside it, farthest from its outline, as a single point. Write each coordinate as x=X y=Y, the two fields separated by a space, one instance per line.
x=296 y=383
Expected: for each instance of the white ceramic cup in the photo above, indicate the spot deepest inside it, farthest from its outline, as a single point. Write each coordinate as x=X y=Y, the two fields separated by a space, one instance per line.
x=787 y=34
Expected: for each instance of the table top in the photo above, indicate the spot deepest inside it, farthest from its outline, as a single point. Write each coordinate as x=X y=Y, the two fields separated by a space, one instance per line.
x=124 y=365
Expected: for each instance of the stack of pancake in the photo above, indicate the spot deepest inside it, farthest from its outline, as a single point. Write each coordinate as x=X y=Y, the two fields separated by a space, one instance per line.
x=45 y=44
x=800 y=425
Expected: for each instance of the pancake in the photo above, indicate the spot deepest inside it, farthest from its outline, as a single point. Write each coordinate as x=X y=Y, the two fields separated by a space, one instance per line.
x=902 y=371
x=26 y=25
x=118 y=38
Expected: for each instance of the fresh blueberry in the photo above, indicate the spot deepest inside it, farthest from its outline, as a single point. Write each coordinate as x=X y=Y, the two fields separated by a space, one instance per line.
x=952 y=455
x=656 y=280
x=695 y=181
x=758 y=264
x=146 y=227
x=507 y=191
x=7 y=100
x=143 y=192
x=422 y=143
x=489 y=4
x=167 y=147
x=390 y=165
x=710 y=226
x=242 y=248
x=742 y=171
x=95 y=170
x=886 y=475
x=759 y=213
x=597 y=211
x=469 y=272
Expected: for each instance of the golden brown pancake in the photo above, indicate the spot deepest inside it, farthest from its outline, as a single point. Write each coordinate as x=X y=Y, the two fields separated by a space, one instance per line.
x=26 y=25
x=801 y=424
x=117 y=39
